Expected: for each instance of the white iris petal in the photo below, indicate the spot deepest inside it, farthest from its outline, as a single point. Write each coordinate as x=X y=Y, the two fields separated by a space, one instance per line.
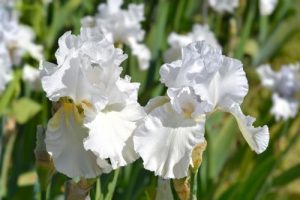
x=257 y=138
x=64 y=141
x=165 y=141
x=110 y=131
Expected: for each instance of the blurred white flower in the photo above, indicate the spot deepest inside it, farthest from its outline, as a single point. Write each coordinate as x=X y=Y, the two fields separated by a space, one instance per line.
x=15 y=41
x=285 y=85
x=18 y=38
x=266 y=7
x=88 y=73
x=224 y=5
x=31 y=75
x=202 y=82
x=122 y=27
x=5 y=66
x=177 y=42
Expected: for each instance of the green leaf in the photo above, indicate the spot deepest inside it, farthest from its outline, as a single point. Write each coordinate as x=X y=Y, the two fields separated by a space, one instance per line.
x=287 y=176
x=256 y=180
x=277 y=39
x=24 y=109
x=223 y=133
x=112 y=186
x=11 y=92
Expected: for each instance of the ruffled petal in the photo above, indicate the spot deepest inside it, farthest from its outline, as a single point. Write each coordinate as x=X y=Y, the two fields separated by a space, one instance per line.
x=60 y=81
x=228 y=86
x=110 y=131
x=284 y=108
x=165 y=141
x=257 y=138
x=64 y=141
x=199 y=63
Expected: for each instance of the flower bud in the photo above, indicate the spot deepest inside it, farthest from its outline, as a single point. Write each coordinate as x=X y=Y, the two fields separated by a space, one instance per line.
x=44 y=163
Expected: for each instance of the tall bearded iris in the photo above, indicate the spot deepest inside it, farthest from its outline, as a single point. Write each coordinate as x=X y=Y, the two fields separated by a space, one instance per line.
x=202 y=82
x=122 y=27
x=97 y=109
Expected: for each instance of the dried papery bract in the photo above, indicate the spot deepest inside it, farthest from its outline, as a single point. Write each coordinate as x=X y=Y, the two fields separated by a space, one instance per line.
x=197 y=155
x=183 y=187
x=78 y=190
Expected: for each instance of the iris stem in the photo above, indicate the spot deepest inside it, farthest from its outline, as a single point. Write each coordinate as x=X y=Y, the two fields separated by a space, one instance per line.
x=194 y=184
x=43 y=194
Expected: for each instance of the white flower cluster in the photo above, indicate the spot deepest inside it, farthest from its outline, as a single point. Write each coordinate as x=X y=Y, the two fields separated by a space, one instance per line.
x=91 y=131
x=177 y=42
x=15 y=41
x=285 y=85
x=98 y=124
x=122 y=27
x=201 y=82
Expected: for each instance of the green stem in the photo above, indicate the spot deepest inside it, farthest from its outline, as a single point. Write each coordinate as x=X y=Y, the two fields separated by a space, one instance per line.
x=263 y=28
x=6 y=165
x=194 y=184
x=43 y=194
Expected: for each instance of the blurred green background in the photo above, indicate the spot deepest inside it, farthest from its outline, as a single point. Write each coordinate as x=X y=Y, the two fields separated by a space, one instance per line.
x=230 y=170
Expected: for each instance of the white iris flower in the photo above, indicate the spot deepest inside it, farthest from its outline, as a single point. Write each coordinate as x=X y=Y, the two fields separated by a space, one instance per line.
x=285 y=85
x=177 y=42
x=122 y=27
x=15 y=41
x=266 y=7
x=92 y=130
x=202 y=82
x=224 y=5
